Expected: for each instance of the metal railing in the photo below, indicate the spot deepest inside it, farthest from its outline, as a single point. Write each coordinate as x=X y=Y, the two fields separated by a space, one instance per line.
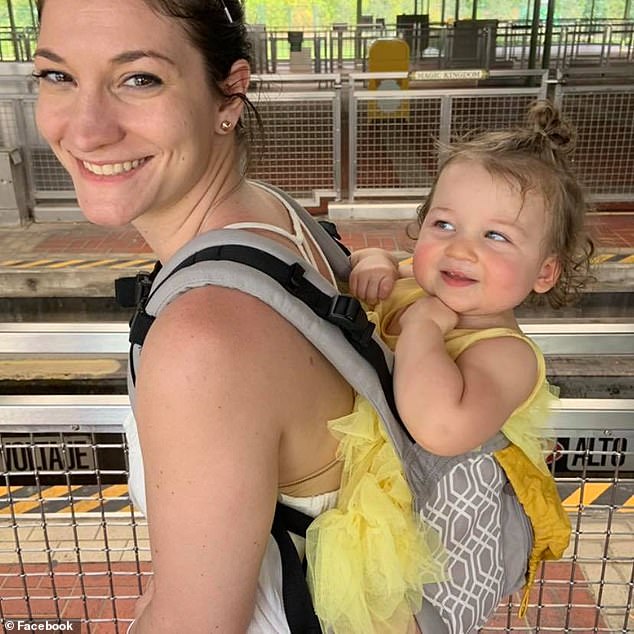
x=374 y=139
x=603 y=116
x=393 y=133
x=300 y=150
x=88 y=338
x=343 y=47
x=72 y=549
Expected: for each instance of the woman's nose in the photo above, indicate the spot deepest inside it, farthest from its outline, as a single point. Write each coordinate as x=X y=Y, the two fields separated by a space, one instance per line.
x=93 y=122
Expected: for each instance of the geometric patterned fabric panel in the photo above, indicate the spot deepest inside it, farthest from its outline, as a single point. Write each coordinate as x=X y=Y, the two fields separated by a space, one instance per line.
x=466 y=510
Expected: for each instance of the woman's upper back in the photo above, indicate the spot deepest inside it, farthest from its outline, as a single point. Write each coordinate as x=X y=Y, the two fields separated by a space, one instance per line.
x=244 y=348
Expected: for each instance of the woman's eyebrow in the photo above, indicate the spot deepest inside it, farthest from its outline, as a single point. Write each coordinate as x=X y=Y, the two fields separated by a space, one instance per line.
x=48 y=54
x=132 y=56
x=122 y=58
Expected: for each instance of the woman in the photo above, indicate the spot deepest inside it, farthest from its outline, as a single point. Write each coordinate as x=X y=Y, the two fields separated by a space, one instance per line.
x=141 y=101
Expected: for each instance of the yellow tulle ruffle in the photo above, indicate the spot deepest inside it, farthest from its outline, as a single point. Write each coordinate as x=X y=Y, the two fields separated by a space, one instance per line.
x=529 y=429
x=369 y=557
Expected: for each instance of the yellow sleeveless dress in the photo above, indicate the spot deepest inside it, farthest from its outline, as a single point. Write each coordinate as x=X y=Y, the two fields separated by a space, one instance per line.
x=527 y=429
x=369 y=557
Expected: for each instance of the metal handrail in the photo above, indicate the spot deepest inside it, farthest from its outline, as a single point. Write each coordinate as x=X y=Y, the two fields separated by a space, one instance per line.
x=554 y=338
x=92 y=413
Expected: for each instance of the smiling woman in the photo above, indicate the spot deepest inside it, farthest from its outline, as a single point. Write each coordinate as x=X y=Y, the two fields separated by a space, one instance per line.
x=143 y=102
x=137 y=121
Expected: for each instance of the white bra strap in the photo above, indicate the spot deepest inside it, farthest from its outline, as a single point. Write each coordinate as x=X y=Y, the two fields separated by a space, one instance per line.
x=297 y=239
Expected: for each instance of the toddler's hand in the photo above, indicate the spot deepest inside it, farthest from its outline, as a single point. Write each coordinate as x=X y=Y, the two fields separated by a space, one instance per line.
x=373 y=275
x=430 y=308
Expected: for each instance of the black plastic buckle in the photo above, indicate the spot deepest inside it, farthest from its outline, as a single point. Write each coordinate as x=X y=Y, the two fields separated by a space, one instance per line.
x=295 y=276
x=142 y=287
x=141 y=321
x=347 y=313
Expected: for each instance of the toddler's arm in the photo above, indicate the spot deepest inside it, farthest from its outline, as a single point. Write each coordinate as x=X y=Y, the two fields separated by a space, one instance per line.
x=374 y=272
x=451 y=407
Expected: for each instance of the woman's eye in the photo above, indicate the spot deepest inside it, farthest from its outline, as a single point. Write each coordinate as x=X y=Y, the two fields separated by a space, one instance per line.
x=495 y=235
x=444 y=225
x=52 y=76
x=142 y=81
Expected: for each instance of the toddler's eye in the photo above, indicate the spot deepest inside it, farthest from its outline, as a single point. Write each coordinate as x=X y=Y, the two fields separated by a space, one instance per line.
x=495 y=235
x=444 y=225
x=142 y=80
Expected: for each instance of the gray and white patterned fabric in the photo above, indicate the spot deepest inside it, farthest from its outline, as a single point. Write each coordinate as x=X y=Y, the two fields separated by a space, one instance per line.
x=468 y=509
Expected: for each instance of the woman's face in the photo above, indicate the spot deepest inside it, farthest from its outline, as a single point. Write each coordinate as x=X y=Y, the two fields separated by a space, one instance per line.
x=126 y=107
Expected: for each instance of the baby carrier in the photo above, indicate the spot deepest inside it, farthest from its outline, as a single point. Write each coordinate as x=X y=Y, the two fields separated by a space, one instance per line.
x=467 y=499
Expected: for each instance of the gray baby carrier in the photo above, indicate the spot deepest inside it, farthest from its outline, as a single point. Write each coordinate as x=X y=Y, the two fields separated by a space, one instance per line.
x=467 y=499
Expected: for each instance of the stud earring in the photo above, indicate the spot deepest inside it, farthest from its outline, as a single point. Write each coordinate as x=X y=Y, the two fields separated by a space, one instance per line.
x=226 y=125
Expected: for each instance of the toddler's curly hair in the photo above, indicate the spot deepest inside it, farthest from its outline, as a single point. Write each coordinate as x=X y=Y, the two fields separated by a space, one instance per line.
x=536 y=158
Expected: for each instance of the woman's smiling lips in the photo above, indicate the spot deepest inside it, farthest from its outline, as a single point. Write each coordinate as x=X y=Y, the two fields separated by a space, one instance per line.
x=112 y=169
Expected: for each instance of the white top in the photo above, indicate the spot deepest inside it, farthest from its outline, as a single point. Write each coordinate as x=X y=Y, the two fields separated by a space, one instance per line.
x=300 y=237
x=268 y=616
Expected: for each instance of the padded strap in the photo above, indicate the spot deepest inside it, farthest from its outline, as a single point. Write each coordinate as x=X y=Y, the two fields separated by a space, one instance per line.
x=344 y=311
x=298 y=604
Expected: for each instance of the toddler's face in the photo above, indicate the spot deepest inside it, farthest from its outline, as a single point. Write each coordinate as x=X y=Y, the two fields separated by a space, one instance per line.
x=482 y=246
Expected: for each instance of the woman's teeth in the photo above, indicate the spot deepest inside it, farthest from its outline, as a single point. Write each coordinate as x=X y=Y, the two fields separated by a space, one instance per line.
x=110 y=169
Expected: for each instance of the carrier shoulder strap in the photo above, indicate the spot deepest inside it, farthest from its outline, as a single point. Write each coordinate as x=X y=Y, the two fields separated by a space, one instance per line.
x=336 y=324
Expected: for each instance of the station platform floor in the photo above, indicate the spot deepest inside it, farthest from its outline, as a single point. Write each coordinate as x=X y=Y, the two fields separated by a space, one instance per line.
x=81 y=259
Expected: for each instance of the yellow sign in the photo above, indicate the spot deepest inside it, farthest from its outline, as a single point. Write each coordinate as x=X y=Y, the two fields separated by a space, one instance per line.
x=388 y=56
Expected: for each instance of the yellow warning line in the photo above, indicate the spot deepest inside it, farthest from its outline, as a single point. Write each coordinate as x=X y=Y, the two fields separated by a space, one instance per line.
x=129 y=263
x=25 y=506
x=4 y=491
x=600 y=258
x=31 y=265
x=91 y=265
x=121 y=263
x=583 y=496
x=628 y=506
x=61 y=265
x=84 y=506
x=586 y=495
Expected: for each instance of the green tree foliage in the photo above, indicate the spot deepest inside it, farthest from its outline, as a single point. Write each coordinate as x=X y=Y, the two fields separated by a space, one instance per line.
x=24 y=13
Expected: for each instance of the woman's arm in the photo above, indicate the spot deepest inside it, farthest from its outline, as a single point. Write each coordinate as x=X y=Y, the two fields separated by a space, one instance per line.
x=209 y=426
x=452 y=407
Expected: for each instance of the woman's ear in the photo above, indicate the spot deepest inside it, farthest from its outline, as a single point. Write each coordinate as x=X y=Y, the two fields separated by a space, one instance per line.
x=548 y=274
x=236 y=83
